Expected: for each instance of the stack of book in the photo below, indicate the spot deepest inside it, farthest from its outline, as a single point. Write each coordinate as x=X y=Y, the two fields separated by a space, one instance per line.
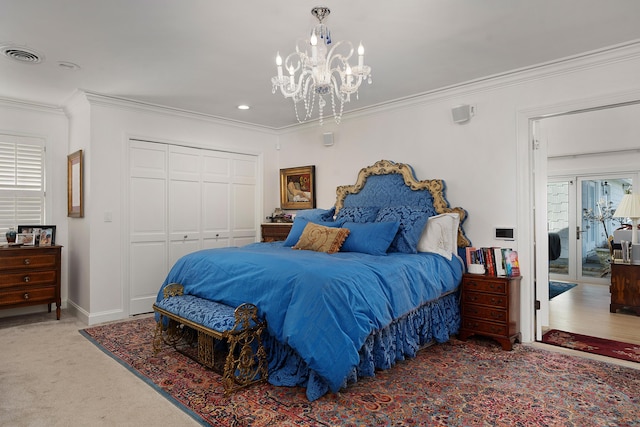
x=496 y=261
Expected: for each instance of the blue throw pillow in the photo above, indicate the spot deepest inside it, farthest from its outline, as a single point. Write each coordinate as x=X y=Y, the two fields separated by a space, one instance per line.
x=370 y=238
x=315 y=215
x=412 y=221
x=298 y=227
x=357 y=214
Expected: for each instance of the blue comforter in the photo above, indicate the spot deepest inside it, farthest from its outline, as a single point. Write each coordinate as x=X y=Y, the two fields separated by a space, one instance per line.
x=323 y=306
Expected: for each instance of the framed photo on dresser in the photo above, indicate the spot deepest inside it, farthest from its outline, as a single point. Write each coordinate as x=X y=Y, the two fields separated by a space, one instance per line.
x=43 y=235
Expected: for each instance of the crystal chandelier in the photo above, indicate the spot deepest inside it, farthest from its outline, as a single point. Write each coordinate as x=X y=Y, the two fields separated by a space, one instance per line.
x=320 y=69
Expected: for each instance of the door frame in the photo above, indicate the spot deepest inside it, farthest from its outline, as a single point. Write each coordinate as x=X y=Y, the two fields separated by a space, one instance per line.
x=532 y=315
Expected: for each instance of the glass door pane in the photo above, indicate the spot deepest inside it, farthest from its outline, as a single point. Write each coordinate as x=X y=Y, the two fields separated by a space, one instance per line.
x=599 y=198
x=558 y=226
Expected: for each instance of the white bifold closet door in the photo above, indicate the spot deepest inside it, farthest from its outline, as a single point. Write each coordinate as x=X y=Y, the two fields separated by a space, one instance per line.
x=181 y=200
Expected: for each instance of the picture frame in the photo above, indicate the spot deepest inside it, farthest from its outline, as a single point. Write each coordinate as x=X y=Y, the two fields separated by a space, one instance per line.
x=26 y=239
x=43 y=235
x=75 y=205
x=298 y=188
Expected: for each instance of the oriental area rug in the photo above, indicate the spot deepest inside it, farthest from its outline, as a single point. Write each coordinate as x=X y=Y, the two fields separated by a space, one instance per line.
x=595 y=345
x=472 y=383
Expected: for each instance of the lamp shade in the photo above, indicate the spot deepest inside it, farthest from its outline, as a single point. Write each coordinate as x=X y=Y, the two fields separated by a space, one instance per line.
x=629 y=207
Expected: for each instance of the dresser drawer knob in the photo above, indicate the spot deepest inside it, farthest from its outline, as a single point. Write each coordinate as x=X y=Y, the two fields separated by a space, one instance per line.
x=26 y=295
x=27 y=261
x=26 y=279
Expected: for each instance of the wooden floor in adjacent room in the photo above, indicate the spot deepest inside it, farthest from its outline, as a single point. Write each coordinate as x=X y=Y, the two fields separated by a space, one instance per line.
x=585 y=310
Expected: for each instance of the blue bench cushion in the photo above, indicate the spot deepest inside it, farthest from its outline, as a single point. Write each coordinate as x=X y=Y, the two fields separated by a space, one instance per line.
x=210 y=314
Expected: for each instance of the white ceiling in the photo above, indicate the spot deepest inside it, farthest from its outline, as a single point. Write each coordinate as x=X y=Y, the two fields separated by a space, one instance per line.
x=209 y=56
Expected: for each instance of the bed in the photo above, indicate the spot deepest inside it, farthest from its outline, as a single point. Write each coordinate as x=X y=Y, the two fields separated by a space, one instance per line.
x=374 y=279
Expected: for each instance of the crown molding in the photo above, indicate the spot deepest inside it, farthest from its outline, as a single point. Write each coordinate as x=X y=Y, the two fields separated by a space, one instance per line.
x=134 y=105
x=588 y=60
x=31 y=106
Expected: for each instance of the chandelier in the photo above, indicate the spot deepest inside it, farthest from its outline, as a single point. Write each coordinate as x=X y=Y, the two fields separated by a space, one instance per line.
x=320 y=69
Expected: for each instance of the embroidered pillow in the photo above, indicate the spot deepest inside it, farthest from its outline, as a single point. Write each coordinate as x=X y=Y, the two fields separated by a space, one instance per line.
x=412 y=221
x=357 y=214
x=370 y=238
x=440 y=235
x=298 y=227
x=316 y=215
x=321 y=239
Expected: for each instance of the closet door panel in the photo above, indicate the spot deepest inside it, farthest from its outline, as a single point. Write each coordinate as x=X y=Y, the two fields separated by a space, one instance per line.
x=147 y=223
x=215 y=214
x=147 y=271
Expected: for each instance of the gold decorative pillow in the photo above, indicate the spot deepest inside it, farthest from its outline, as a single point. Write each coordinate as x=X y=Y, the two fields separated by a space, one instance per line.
x=321 y=239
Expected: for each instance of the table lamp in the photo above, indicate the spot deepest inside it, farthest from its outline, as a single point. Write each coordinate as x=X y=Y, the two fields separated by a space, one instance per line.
x=629 y=207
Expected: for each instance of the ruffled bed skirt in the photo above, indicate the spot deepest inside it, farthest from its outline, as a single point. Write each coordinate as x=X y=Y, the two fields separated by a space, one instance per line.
x=435 y=321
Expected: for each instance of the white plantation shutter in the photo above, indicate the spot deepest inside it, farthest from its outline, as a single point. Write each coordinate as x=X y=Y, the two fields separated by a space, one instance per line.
x=21 y=182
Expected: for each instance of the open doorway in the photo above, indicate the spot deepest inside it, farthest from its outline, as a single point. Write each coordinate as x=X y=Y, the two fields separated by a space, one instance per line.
x=591 y=159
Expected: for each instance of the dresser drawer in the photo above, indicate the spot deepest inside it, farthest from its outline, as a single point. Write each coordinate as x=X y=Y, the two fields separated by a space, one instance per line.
x=485 y=299
x=483 y=327
x=29 y=295
x=486 y=285
x=28 y=278
x=25 y=260
x=486 y=313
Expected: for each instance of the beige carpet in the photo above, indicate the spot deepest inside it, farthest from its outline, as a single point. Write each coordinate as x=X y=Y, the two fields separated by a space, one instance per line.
x=50 y=375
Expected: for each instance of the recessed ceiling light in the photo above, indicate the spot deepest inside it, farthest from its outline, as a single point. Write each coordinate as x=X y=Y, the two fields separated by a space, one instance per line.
x=68 y=65
x=243 y=107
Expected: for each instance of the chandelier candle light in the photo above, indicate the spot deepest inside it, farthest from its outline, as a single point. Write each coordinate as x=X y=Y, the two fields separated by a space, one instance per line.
x=320 y=68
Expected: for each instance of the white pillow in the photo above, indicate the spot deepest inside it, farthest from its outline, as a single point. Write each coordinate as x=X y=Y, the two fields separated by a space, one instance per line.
x=440 y=235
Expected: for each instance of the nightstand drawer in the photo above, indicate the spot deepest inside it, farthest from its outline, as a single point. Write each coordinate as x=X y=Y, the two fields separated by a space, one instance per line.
x=28 y=278
x=486 y=285
x=485 y=299
x=486 y=313
x=275 y=231
x=482 y=327
x=28 y=295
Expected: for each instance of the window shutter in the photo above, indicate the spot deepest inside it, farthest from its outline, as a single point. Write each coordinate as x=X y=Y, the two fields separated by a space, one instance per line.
x=21 y=182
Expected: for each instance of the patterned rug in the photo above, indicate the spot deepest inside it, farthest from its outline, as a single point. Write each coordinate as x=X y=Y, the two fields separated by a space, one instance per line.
x=604 y=347
x=557 y=288
x=472 y=383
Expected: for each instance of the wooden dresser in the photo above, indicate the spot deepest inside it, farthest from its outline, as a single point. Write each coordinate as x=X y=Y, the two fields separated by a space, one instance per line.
x=30 y=276
x=625 y=287
x=490 y=306
x=275 y=231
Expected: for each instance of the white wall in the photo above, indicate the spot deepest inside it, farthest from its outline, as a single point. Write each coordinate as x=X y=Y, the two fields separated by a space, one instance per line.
x=111 y=124
x=481 y=161
x=50 y=124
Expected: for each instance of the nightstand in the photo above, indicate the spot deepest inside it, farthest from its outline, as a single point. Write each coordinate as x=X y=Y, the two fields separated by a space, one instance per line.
x=275 y=231
x=490 y=306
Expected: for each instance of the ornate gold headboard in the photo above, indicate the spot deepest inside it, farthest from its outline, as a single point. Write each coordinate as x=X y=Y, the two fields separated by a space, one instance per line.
x=435 y=187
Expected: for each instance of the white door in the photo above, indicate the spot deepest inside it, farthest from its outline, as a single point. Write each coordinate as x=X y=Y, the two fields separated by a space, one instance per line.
x=184 y=202
x=147 y=223
x=184 y=199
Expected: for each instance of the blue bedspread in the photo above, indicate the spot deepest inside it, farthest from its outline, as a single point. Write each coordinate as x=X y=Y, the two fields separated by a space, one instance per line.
x=323 y=306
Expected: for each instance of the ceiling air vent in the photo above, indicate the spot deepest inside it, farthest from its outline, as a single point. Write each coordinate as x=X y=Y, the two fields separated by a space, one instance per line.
x=21 y=54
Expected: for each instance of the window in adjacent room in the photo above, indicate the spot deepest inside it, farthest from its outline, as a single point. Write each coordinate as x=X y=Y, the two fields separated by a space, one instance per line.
x=22 y=195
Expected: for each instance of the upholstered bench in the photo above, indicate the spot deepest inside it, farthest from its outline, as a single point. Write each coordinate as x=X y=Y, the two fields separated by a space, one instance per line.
x=183 y=319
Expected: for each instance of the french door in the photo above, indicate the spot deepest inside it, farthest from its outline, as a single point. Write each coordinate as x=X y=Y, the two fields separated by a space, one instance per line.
x=580 y=217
